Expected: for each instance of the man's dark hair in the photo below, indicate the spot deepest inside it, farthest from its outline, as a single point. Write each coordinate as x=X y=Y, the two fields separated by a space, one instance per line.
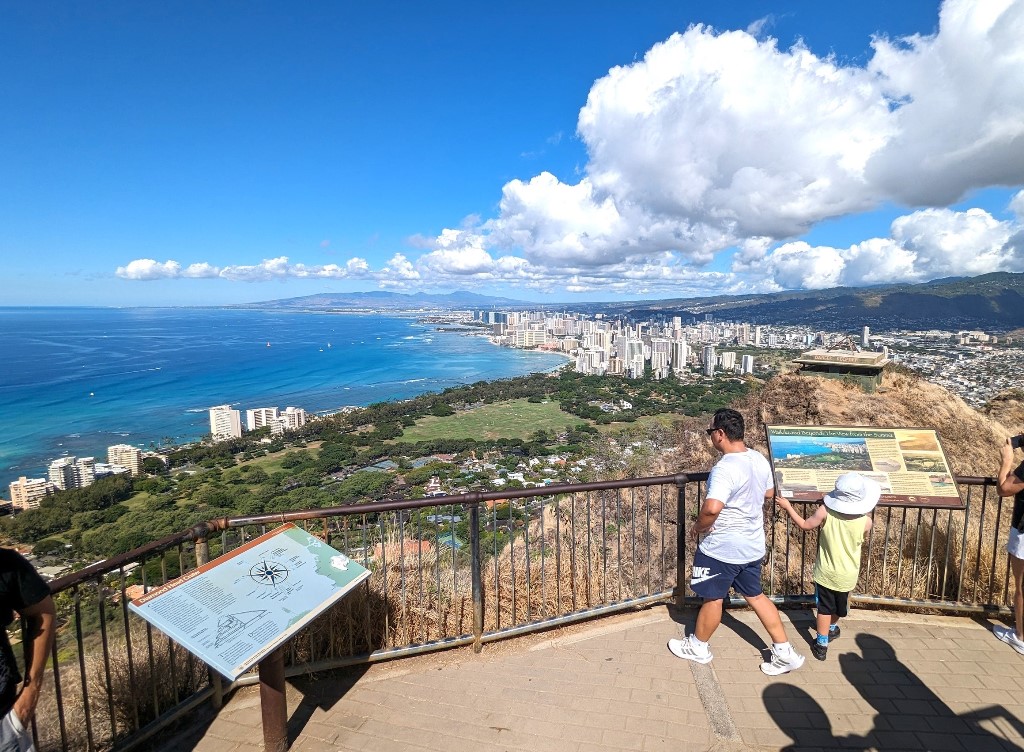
x=730 y=421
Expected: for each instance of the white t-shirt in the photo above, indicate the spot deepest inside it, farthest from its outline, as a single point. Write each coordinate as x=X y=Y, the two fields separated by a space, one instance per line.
x=739 y=480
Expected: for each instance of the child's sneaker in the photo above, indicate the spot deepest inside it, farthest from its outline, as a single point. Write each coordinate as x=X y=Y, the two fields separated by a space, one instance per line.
x=1009 y=636
x=783 y=664
x=818 y=650
x=684 y=649
x=834 y=632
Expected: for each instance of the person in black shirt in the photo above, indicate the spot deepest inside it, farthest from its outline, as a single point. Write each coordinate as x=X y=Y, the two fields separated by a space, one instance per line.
x=24 y=591
x=1012 y=484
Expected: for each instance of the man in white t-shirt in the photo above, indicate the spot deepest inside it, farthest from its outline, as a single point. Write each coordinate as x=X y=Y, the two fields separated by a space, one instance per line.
x=732 y=550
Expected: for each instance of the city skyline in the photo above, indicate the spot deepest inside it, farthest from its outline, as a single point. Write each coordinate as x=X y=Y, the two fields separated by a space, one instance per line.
x=238 y=153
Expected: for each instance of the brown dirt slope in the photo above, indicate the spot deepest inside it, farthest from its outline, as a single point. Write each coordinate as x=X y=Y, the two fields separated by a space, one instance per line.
x=971 y=438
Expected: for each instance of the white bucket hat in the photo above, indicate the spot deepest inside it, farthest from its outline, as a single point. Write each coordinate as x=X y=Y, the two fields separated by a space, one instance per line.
x=853 y=494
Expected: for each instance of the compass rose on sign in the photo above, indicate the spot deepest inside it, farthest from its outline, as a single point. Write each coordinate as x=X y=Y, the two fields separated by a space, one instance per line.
x=269 y=573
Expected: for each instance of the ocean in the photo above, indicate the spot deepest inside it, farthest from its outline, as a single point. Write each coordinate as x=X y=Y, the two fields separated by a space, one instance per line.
x=76 y=380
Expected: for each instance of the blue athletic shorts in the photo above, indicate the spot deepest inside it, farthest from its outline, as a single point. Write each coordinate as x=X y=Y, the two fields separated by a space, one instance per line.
x=711 y=578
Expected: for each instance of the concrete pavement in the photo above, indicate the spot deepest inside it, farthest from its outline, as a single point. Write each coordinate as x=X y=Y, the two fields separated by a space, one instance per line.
x=893 y=681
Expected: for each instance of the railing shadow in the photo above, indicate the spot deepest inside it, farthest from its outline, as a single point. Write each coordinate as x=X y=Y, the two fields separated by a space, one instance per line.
x=908 y=714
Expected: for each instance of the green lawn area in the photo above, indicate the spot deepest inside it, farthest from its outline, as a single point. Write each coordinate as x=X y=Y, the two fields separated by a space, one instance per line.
x=271 y=463
x=664 y=419
x=139 y=501
x=502 y=420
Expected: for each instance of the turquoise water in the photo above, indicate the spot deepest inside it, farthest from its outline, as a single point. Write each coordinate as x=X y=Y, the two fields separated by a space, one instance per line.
x=76 y=380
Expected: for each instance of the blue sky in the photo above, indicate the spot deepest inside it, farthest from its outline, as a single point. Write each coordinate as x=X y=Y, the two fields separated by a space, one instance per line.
x=194 y=153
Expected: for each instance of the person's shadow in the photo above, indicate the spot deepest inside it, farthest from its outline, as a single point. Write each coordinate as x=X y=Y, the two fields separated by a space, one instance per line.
x=909 y=715
x=908 y=711
x=803 y=720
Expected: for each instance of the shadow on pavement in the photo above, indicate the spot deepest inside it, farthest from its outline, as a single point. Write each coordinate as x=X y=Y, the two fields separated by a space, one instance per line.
x=908 y=714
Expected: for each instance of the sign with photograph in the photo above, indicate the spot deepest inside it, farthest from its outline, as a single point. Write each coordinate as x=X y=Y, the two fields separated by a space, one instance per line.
x=909 y=463
x=240 y=607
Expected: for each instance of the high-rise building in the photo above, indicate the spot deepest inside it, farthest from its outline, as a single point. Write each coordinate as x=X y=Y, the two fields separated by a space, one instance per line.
x=865 y=337
x=708 y=360
x=68 y=472
x=680 y=355
x=728 y=360
x=26 y=493
x=757 y=336
x=294 y=417
x=127 y=456
x=225 y=423
x=747 y=364
x=260 y=416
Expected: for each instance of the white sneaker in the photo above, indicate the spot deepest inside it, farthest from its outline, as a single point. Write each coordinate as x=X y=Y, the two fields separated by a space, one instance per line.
x=1009 y=636
x=684 y=649
x=783 y=664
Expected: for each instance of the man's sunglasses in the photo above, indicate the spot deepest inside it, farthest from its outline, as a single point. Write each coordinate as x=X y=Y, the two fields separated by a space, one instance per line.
x=710 y=431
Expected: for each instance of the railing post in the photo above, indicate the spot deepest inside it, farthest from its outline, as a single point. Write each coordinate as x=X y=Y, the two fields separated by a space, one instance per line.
x=478 y=590
x=217 y=699
x=680 y=589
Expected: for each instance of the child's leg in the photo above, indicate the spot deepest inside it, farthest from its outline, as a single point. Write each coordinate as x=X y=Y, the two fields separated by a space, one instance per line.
x=825 y=621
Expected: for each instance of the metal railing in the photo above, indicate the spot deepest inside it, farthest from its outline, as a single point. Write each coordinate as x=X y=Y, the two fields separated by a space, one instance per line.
x=469 y=569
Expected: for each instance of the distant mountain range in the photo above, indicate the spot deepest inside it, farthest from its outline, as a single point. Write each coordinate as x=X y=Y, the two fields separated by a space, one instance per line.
x=991 y=302
x=391 y=300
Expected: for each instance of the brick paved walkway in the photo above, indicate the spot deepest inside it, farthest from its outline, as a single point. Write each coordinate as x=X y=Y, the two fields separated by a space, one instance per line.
x=891 y=682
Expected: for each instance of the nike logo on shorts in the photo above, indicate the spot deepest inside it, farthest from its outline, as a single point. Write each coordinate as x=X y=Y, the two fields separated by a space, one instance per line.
x=705 y=578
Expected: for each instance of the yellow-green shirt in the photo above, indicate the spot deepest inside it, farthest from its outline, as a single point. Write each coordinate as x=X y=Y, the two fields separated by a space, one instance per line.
x=839 y=543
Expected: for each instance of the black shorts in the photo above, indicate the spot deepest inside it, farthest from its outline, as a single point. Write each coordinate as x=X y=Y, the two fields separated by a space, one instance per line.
x=831 y=602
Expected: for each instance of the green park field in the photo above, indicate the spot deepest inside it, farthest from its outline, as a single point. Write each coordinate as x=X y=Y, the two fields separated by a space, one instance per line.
x=517 y=419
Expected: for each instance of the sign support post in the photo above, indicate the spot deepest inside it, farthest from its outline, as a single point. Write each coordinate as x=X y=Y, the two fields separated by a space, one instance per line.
x=273 y=703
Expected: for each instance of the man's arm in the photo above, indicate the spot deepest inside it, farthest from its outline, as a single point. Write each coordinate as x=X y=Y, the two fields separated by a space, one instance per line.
x=1009 y=483
x=41 y=628
x=709 y=512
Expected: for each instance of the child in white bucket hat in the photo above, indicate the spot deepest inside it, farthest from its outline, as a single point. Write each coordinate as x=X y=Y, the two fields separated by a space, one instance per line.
x=837 y=566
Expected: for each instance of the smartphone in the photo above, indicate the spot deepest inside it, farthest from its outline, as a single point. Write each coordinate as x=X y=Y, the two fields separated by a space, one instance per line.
x=1017 y=442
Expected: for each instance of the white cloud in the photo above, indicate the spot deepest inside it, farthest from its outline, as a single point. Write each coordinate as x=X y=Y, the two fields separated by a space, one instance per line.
x=201 y=271
x=716 y=140
x=147 y=269
x=924 y=245
x=801 y=266
x=962 y=122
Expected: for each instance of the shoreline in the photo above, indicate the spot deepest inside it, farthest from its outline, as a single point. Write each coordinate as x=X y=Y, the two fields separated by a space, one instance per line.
x=79 y=425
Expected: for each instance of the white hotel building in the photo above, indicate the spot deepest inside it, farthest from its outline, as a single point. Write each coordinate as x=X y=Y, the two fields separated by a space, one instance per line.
x=126 y=456
x=225 y=423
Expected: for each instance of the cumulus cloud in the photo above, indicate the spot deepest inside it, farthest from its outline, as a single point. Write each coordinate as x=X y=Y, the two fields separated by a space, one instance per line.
x=146 y=269
x=958 y=100
x=927 y=244
x=268 y=269
x=723 y=140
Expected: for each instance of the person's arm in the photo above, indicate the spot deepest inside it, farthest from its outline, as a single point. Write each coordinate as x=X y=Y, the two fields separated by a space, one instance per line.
x=1009 y=483
x=810 y=523
x=709 y=512
x=40 y=631
x=867 y=527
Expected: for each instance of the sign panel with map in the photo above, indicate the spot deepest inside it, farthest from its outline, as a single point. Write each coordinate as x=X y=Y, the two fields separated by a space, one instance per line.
x=240 y=607
x=909 y=463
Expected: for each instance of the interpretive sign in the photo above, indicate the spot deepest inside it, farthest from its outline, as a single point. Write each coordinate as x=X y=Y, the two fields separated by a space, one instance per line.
x=909 y=463
x=240 y=607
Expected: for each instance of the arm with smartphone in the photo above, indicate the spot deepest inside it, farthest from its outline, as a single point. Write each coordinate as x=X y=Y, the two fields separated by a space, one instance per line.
x=1011 y=482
